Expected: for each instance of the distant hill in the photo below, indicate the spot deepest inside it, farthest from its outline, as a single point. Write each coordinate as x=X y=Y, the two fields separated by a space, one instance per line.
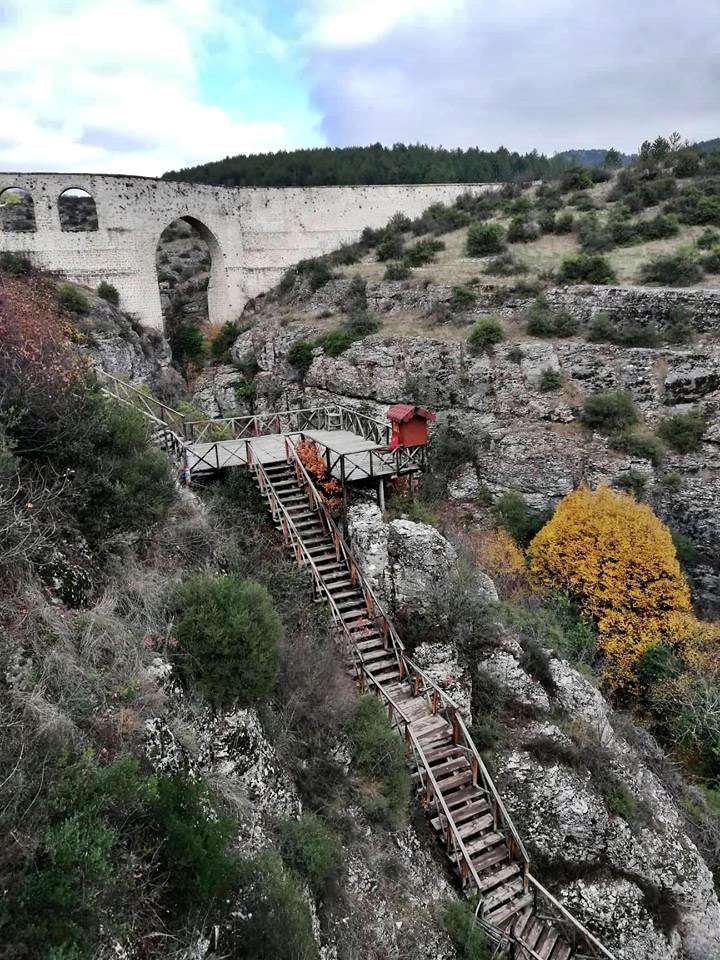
x=374 y=164
x=709 y=146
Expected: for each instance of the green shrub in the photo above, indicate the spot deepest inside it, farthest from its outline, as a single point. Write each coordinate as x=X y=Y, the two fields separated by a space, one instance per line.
x=300 y=356
x=315 y=271
x=469 y=939
x=658 y=228
x=485 y=332
x=543 y=322
x=390 y=247
x=708 y=239
x=16 y=264
x=361 y=324
x=484 y=239
x=513 y=513
x=564 y=223
x=515 y=354
x=594 y=236
x=677 y=325
x=628 y=333
x=451 y=448
x=677 y=269
x=422 y=252
x=187 y=343
x=244 y=390
x=228 y=634
x=621 y=803
x=586 y=268
x=611 y=411
x=335 y=342
x=106 y=291
x=396 y=271
x=640 y=445
x=505 y=265
x=380 y=758
x=550 y=379
x=462 y=298
x=224 y=339
x=72 y=298
x=309 y=847
x=521 y=230
x=576 y=178
x=274 y=921
x=683 y=432
x=710 y=262
x=632 y=481
x=657 y=665
x=192 y=845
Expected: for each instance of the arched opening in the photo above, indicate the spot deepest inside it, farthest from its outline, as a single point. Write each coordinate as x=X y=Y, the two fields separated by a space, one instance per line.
x=78 y=213
x=184 y=259
x=17 y=211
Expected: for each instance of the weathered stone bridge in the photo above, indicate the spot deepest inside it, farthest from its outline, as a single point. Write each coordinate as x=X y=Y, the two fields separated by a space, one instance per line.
x=254 y=234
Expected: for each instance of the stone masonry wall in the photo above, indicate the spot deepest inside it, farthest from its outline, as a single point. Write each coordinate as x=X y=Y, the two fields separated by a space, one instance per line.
x=254 y=234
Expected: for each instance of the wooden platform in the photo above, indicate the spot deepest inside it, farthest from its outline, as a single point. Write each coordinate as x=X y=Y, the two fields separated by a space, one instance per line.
x=359 y=457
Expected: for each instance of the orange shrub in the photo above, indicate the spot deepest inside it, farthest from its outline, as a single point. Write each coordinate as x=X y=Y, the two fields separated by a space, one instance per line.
x=617 y=559
x=328 y=487
x=495 y=552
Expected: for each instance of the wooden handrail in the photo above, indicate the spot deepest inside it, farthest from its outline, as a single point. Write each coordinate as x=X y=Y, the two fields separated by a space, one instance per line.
x=568 y=917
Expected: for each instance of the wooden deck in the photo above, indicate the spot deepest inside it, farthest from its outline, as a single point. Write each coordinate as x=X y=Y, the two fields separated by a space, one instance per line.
x=349 y=451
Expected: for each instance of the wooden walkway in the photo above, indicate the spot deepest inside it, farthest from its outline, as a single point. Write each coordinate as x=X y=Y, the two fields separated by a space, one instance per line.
x=521 y=918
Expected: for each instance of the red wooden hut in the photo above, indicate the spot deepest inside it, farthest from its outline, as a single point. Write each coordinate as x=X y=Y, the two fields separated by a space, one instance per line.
x=409 y=425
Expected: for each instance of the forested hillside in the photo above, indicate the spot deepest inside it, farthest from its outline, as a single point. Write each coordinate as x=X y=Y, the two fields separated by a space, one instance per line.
x=401 y=163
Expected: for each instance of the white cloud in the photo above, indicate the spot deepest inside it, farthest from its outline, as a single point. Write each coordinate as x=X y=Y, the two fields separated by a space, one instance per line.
x=339 y=23
x=112 y=86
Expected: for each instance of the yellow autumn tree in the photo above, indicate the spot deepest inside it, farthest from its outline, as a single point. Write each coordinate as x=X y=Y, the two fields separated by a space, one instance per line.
x=617 y=559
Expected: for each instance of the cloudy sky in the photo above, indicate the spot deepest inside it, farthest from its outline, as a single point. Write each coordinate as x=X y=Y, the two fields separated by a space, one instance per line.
x=143 y=86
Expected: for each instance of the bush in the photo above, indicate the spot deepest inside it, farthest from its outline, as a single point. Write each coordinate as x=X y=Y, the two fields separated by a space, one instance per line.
x=224 y=339
x=469 y=939
x=484 y=239
x=485 y=332
x=564 y=223
x=308 y=846
x=390 y=247
x=576 y=178
x=658 y=228
x=672 y=269
x=617 y=560
x=187 y=343
x=550 y=379
x=72 y=298
x=462 y=298
x=603 y=328
x=521 y=230
x=274 y=920
x=315 y=271
x=15 y=264
x=633 y=482
x=586 y=268
x=361 y=324
x=396 y=271
x=677 y=325
x=707 y=239
x=106 y=291
x=543 y=322
x=422 y=252
x=640 y=445
x=380 y=758
x=683 y=431
x=228 y=635
x=335 y=342
x=610 y=411
x=300 y=356
x=513 y=513
x=505 y=265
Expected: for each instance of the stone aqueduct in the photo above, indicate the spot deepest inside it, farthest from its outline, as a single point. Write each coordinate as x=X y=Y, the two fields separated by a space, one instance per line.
x=254 y=234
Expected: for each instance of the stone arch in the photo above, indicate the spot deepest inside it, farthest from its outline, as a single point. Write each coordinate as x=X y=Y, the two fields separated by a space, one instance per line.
x=77 y=211
x=17 y=211
x=192 y=279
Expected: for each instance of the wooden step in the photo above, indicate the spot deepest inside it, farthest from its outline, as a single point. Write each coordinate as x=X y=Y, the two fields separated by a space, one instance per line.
x=547 y=942
x=462 y=814
x=433 y=756
x=502 y=894
x=562 y=951
x=387 y=674
x=499 y=853
x=524 y=924
x=369 y=645
x=508 y=910
x=490 y=880
x=372 y=654
x=452 y=784
x=475 y=826
x=444 y=769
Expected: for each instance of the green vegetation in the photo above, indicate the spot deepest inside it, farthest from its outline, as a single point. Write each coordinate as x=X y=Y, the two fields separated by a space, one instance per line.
x=72 y=298
x=396 y=271
x=187 y=344
x=484 y=239
x=469 y=939
x=106 y=291
x=380 y=758
x=612 y=411
x=683 y=432
x=544 y=322
x=486 y=332
x=513 y=513
x=550 y=379
x=300 y=356
x=223 y=340
x=641 y=445
x=309 y=847
x=679 y=269
x=401 y=163
x=586 y=268
x=422 y=252
x=228 y=634
x=15 y=264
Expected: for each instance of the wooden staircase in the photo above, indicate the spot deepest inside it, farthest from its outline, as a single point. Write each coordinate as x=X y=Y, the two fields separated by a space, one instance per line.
x=521 y=918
